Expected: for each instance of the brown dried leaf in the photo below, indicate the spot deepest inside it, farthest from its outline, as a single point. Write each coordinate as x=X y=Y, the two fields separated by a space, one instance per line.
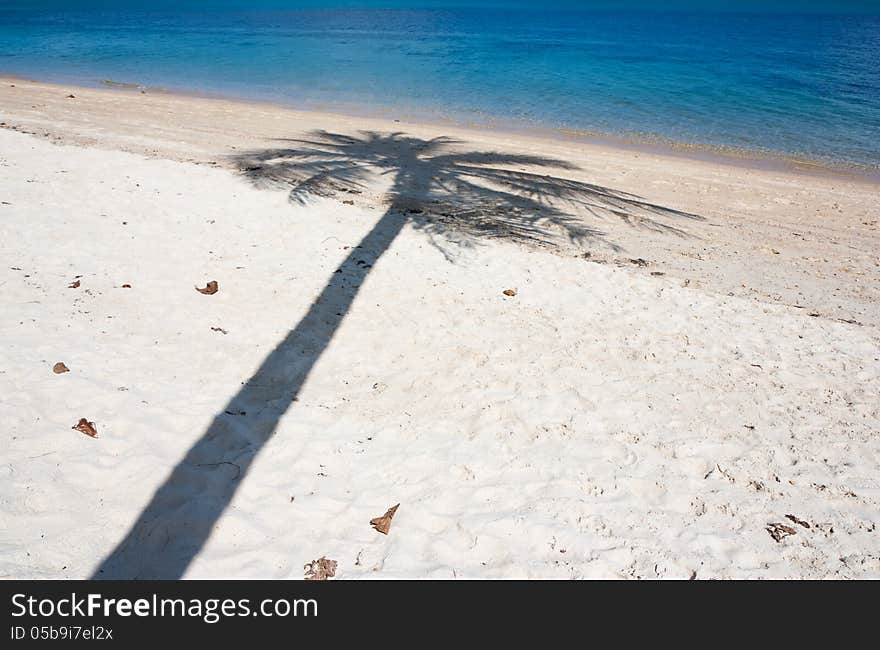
x=780 y=531
x=210 y=289
x=799 y=522
x=383 y=524
x=60 y=368
x=320 y=569
x=126 y=286
x=86 y=427
x=509 y=292
x=73 y=285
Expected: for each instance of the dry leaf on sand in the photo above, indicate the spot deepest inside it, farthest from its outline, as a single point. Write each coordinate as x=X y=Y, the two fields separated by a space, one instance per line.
x=509 y=292
x=59 y=368
x=320 y=569
x=798 y=521
x=86 y=427
x=73 y=285
x=780 y=531
x=210 y=289
x=383 y=523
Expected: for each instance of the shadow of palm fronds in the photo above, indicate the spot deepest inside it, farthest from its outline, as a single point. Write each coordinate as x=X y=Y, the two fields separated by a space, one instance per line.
x=461 y=195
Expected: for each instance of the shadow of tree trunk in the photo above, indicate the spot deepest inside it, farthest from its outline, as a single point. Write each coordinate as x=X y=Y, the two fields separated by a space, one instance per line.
x=174 y=525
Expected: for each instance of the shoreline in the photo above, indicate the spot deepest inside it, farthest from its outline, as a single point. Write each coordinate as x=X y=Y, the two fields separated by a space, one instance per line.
x=760 y=230
x=656 y=145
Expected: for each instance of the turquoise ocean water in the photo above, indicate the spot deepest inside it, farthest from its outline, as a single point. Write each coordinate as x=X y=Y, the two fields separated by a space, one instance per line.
x=804 y=84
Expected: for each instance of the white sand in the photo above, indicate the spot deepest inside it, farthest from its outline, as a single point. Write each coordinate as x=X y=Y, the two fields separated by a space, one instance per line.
x=602 y=423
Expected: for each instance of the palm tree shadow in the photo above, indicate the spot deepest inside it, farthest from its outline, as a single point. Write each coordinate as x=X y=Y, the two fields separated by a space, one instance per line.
x=458 y=196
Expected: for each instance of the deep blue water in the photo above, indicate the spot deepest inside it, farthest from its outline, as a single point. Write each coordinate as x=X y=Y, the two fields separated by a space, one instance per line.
x=795 y=84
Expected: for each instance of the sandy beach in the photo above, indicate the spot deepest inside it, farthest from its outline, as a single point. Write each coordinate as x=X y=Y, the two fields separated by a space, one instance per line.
x=562 y=359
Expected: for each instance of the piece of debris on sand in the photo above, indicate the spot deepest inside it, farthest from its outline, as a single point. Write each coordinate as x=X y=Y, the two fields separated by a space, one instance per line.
x=73 y=285
x=320 y=569
x=780 y=531
x=799 y=522
x=383 y=524
x=509 y=292
x=210 y=289
x=60 y=368
x=86 y=427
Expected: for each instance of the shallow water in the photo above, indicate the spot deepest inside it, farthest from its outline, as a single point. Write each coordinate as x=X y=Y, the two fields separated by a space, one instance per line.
x=802 y=85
